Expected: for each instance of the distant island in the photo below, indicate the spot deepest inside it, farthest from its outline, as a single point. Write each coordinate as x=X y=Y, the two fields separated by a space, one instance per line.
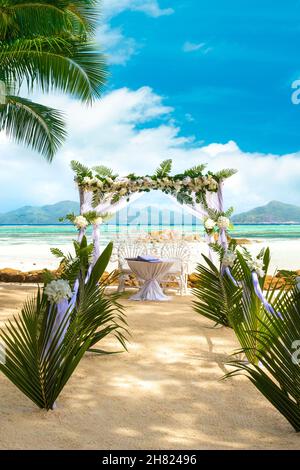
x=274 y=212
x=47 y=215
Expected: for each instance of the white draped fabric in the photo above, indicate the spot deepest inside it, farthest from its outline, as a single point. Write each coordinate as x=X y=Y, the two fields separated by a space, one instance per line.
x=151 y=273
x=105 y=207
x=214 y=201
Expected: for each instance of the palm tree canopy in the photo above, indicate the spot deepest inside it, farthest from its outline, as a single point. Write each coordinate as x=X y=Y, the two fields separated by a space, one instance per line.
x=46 y=45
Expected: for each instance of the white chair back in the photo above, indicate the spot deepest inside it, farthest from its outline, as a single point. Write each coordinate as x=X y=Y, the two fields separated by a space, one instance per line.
x=130 y=250
x=180 y=252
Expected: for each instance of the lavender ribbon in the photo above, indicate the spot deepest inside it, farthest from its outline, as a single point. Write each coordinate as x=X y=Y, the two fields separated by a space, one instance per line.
x=223 y=239
x=261 y=296
x=96 y=241
x=228 y=272
x=257 y=290
x=220 y=197
x=62 y=307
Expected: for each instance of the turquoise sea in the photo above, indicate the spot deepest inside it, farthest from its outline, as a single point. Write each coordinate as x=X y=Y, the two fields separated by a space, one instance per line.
x=63 y=234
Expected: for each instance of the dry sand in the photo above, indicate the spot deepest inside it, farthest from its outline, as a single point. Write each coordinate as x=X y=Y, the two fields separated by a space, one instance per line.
x=164 y=393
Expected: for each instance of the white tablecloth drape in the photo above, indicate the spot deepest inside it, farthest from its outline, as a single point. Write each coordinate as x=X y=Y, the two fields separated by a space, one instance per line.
x=150 y=273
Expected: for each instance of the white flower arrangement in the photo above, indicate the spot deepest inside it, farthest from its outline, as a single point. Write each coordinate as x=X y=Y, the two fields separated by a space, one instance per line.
x=257 y=265
x=215 y=222
x=58 y=290
x=229 y=259
x=80 y=222
x=87 y=181
x=187 y=180
x=223 y=223
x=209 y=224
x=98 y=220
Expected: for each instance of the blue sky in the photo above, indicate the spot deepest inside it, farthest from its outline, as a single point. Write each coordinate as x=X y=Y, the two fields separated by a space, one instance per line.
x=198 y=81
x=225 y=66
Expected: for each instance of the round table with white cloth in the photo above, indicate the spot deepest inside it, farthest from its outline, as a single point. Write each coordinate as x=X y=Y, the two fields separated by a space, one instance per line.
x=150 y=273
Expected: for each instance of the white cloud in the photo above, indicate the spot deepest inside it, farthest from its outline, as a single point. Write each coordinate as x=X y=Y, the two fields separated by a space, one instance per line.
x=114 y=43
x=119 y=48
x=119 y=131
x=192 y=46
x=150 y=7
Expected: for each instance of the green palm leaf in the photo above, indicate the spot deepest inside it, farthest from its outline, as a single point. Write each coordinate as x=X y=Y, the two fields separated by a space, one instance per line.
x=33 y=124
x=40 y=360
x=49 y=44
x=54 y=63
x=276 y=372
x=195 y=171
x=103 y=170
x=80 y=170
x=164 y=168
x=226 y=173
x=49 y=18
x=216 y=294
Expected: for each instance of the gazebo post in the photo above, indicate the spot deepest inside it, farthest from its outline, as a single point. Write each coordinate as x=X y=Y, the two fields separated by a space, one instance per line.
x=222 y=237
x=81 y=205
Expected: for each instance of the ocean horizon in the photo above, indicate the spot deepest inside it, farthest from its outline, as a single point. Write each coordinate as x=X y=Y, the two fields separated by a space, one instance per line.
x=62 y=234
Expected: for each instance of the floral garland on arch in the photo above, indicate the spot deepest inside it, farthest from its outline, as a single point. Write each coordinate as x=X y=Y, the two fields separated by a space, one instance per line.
x=188 y=187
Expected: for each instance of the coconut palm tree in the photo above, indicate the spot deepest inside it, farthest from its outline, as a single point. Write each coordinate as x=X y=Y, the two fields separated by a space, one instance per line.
x=46 y=45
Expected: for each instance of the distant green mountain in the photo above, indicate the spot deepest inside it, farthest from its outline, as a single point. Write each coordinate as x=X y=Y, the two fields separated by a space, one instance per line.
x=274 y=212
x=39 y=215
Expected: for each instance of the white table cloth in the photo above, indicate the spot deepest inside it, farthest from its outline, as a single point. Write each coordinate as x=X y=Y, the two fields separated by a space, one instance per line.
x=150 y=273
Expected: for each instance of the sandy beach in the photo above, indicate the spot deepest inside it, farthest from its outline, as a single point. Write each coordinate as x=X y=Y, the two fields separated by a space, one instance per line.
x=164 y=393
x=285 y=254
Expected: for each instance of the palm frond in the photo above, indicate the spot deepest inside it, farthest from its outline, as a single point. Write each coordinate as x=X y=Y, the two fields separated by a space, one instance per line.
x=80 y=169
x=41 y=353
x=37 y=17
x=226 y=173
x=57 y=252
x=276 y=372
x=49 y=44
x=103 y=170
x=33 y=125
x=216 y=294
x=164 y=168
x=55 y=63
x=195 y=170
